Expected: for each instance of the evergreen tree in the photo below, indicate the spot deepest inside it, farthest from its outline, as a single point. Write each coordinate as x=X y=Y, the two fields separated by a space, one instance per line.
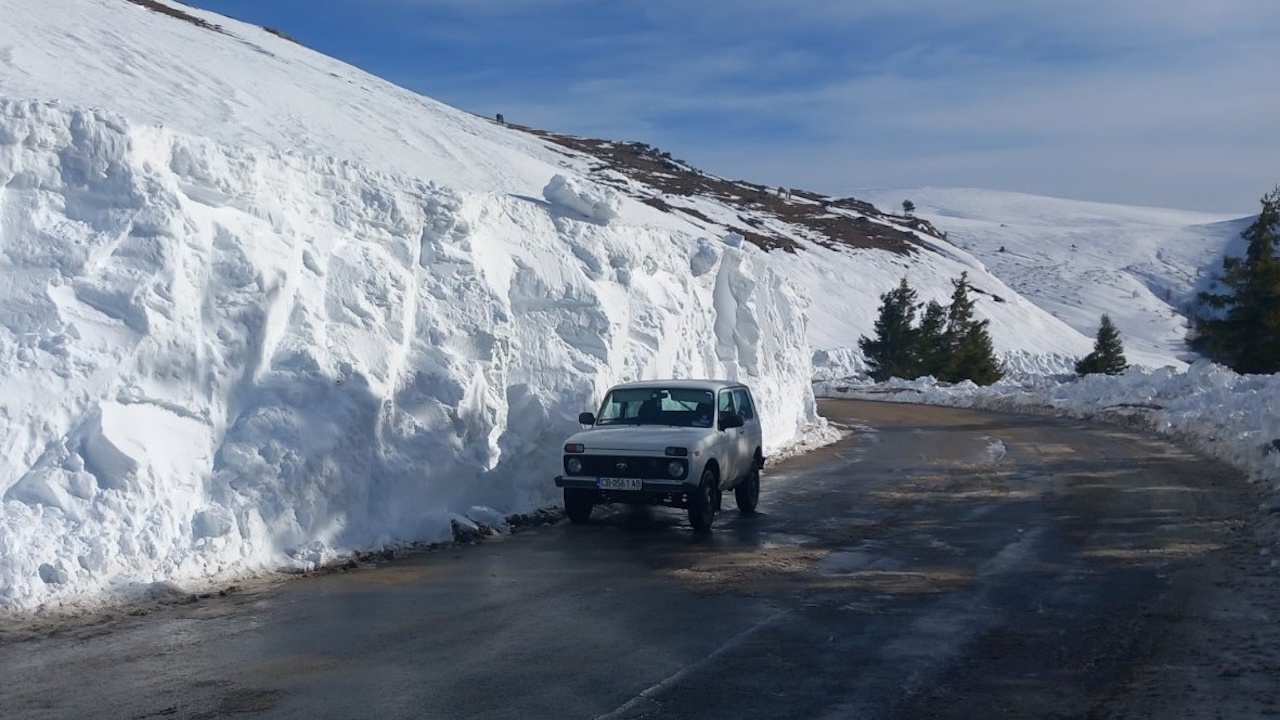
x=892 y=353
x=974 y=357
x=971 y=355
x=960 y=311
x=908 y=207
x=1246 y=333
x=1108 y=352
x=933 y=349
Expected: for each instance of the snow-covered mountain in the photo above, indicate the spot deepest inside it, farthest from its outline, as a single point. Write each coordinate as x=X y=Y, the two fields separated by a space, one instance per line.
x=259 y=308
x=1079 y=260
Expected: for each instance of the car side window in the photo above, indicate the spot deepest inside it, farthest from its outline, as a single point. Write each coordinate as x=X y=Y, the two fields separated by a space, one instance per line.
x=725 y=402
x=742 y=399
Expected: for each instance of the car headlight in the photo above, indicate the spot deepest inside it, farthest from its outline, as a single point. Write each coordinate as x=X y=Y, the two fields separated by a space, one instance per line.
x=675 y=468
x=573 y=465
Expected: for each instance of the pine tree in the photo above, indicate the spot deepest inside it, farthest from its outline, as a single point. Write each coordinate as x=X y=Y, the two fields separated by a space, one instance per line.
x=960 y=311
x=892 y=353
x=908 y=207
x=1108 y=352
x=971 y=355
x=1246 y=335
x=932 y=348
x=975 y=358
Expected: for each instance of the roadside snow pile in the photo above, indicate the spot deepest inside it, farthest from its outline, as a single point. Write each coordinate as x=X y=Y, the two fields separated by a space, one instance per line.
x=1207 y=407
x=599 y=205
x=838 y=364
x=219 y=360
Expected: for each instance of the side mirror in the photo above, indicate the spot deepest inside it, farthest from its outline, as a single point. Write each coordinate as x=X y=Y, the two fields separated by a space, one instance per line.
x=586 y=419
x=728 y=422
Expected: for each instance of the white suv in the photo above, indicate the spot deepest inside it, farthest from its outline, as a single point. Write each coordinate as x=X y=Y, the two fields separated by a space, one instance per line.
x=679 y=443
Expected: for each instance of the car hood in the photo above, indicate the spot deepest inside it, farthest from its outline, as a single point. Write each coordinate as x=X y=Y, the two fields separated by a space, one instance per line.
x=642 y=438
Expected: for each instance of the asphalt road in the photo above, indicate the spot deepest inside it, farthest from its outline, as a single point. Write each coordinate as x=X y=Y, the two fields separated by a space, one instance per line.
x=937 y=563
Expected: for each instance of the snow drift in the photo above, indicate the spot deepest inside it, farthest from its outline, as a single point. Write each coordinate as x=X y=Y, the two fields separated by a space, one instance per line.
x=217 y=360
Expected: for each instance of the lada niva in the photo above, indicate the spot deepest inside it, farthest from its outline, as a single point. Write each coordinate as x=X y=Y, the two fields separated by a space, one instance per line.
x=679 y=443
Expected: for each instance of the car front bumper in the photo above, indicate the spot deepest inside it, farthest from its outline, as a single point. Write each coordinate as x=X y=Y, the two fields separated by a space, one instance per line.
x=652 y=492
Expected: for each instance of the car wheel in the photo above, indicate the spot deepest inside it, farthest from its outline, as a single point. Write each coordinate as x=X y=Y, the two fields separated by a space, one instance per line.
x=748 y=492
x=702 y=502
x=577 y=505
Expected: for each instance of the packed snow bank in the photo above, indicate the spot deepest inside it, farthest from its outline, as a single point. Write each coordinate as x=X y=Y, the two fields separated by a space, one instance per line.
x=1207 y=407
x=219 y=360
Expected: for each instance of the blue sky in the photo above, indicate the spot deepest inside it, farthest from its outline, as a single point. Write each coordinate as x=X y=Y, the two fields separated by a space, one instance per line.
x=1170 y=103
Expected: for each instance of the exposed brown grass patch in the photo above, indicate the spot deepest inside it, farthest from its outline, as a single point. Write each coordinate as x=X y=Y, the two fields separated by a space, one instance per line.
x=767 y=219
x=174 y=12
x=280 y=34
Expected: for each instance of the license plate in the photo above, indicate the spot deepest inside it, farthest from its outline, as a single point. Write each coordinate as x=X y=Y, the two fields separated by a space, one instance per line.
x=605 y=483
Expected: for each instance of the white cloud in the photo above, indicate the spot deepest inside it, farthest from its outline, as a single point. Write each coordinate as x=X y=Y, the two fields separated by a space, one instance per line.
x=1058 y=96
x=993 y=93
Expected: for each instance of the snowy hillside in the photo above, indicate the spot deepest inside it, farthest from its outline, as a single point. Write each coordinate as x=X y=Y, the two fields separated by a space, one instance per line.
x=843 y=252
x=1079 y=260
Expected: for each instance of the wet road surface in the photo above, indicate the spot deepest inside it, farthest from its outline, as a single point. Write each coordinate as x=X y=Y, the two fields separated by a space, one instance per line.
x=938 y=563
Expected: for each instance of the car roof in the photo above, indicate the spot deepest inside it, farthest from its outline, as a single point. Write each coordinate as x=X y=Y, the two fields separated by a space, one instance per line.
x=682 y=384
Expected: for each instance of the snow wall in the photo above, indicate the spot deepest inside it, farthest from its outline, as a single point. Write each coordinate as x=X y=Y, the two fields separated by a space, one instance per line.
x=217 y=361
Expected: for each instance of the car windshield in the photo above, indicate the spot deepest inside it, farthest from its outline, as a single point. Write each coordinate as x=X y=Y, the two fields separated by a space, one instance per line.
x=681 y=407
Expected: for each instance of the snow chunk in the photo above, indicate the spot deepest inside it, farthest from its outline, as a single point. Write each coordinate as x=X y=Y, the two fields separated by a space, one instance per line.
x=52 y=575
x=599 y=205
x=705 y=259
x=487 y=517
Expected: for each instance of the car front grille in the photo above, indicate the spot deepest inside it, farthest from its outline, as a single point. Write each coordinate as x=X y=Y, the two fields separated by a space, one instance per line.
x=623 y=466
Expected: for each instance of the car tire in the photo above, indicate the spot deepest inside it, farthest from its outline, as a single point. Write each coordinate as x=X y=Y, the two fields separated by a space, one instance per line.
x=577 y=505
x=748 y=492
x=702 y=502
